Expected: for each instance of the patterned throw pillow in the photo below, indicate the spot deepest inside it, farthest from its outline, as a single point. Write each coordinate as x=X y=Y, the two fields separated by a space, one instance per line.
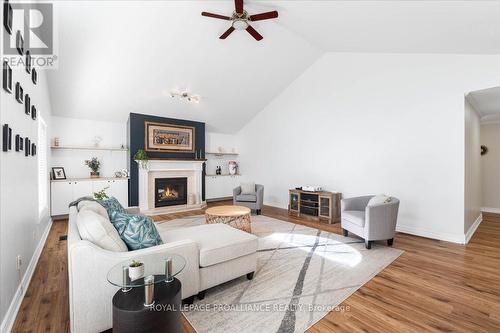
x=137 y=231
x=111 y=205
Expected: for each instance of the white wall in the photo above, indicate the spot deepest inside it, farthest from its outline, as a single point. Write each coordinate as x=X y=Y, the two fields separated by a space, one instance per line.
x=80 y=132
x=373 y=123
x=490 y=166
x=22 y=229
x=472 y=189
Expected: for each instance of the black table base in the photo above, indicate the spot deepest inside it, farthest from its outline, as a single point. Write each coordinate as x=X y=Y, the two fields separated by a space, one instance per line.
x=131 y=316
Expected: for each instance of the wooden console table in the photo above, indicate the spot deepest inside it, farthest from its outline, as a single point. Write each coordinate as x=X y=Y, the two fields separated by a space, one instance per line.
x=321 y=205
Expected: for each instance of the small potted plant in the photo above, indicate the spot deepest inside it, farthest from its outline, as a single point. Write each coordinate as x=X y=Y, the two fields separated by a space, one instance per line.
x=136 y=270
x=101 y=195
x=94 y=165
x=141 y=158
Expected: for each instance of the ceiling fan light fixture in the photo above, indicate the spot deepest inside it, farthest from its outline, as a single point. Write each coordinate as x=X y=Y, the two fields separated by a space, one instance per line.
x=240 y=24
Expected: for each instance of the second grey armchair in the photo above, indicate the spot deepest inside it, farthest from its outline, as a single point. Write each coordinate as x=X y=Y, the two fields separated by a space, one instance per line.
x=252 y=201
x=371 y=222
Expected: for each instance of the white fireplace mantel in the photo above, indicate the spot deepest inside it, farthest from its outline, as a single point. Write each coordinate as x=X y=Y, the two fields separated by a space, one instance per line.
x=172 y=168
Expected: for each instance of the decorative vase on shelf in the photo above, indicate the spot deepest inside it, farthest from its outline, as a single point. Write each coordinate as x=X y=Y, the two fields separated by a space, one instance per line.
x=94 y=174
x=233 y=168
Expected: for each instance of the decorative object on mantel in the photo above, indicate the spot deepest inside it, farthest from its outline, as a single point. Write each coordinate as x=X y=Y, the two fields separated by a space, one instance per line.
x=94 y=165
x=19 y=93
x=56 y=142
x=141 y=157
x=7 y=77
x=19 y=42
x=185 y=96
x=58 y=173
x=233 y=168
x=198 y=154
x=96 y=140
x=162 y=137
x=484 y=150
x=218 y=170
x=8 y=14
x=220 y=150
x=121 y=174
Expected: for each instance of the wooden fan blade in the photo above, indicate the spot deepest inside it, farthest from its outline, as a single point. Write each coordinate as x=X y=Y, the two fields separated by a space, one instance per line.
x=264 y=16
x=217 y=16
x=227 y=33
x=238 y=5
x=254 y=33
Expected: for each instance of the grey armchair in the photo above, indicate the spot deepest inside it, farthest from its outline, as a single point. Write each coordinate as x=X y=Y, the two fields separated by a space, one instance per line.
x=252 y=201
x=372 y=223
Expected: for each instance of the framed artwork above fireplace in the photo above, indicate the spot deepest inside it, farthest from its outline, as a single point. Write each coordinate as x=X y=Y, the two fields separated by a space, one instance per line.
x=159 y=137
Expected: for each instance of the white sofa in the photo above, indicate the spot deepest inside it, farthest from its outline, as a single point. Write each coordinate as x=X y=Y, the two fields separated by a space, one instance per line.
x=214 y=253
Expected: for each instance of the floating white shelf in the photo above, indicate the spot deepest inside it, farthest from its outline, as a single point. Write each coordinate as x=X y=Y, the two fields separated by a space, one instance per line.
x=89 y=148
x=225 y=175
x=220 y=154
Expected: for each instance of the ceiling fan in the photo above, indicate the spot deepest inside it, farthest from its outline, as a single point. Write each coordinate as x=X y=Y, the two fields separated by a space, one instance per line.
x=241 y=20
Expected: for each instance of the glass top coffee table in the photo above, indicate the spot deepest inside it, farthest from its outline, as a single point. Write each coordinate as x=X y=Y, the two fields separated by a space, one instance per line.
x=146 y=291
x=155 y=265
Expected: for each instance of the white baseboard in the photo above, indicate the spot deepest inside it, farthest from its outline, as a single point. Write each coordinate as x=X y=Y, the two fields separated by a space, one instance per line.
x=11 y=314
x=448 y=237
x=490 y=210
x=473 y=228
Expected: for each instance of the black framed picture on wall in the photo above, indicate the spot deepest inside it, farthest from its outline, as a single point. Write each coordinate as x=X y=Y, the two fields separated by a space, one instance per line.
x=19 y=93
x=8 y=15
x=58 y=173
x=7 y=77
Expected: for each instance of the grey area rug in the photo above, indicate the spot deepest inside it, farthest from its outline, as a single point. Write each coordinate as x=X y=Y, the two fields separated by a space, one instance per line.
x=303 y=273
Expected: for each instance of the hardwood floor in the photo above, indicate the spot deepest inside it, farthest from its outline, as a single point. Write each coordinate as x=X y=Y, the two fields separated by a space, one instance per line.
x=434 y=286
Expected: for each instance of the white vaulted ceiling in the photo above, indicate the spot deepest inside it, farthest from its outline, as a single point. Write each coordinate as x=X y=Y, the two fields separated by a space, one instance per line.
x=117 y=57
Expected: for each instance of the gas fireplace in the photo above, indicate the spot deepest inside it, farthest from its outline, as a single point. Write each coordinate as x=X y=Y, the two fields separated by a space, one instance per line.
x=170 y=191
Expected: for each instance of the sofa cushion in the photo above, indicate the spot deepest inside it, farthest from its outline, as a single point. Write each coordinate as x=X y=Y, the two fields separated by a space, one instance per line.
x=93 y=206
x=354 y=216
x=247 y=188
x=137 y=231
x=97 y=229
x=246 y=198
x=379 y=199
x=111 y=205
x=217 y=242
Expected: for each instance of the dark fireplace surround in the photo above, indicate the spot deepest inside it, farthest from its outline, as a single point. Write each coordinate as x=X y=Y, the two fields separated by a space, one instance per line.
x=170 y=191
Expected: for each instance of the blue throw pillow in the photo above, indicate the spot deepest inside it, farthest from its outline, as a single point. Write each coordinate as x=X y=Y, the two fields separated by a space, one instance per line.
x=137 y=231
x=111 y=205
